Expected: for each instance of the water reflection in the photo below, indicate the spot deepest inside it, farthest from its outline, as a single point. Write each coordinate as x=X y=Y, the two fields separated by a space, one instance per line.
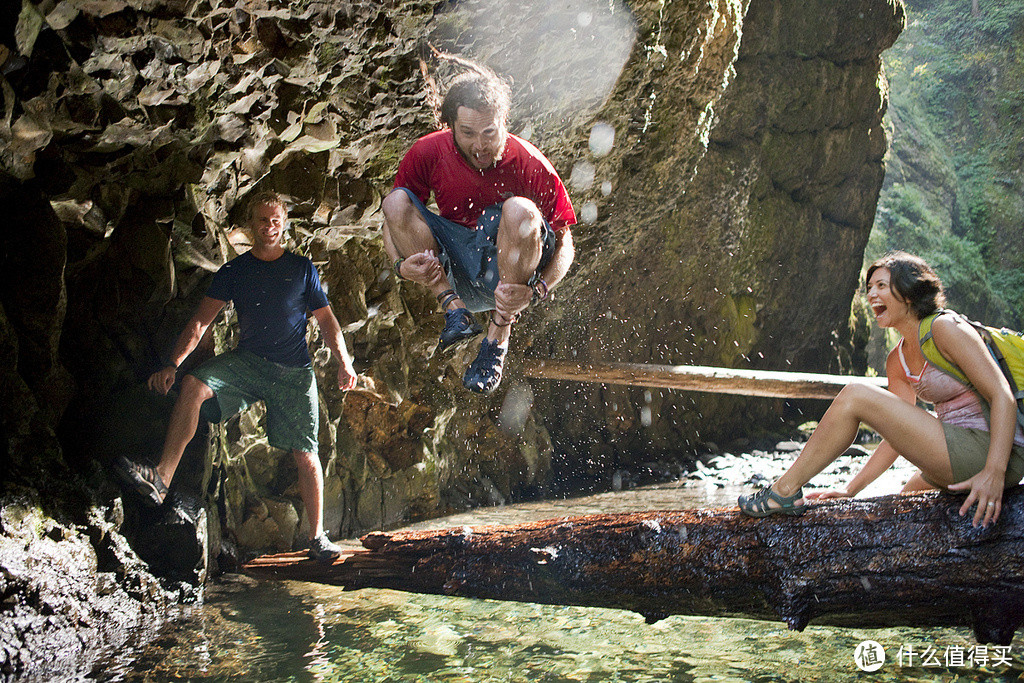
x=289 y=631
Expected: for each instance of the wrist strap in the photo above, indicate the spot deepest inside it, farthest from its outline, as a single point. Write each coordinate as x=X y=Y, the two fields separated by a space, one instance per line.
x=494 y=320
x=446 y=297
x=398 y=268
x=540 y=288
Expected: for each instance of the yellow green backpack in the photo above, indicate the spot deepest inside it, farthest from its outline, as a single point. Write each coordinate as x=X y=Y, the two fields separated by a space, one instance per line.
x=1005 y=345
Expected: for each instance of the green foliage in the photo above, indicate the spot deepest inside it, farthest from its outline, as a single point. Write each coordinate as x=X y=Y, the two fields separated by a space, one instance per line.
x=904 y=219
x=1009 y=285
x=1001 y=21
x=957 y=99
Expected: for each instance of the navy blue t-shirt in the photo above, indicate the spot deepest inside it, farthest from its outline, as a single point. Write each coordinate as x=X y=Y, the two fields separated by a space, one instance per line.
x=271 y=299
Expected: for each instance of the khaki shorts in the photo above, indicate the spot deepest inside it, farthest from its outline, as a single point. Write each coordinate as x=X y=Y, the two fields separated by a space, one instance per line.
x=968 y=451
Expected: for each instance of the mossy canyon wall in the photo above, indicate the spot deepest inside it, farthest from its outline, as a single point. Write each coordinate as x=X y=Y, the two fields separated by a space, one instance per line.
x=725 y=225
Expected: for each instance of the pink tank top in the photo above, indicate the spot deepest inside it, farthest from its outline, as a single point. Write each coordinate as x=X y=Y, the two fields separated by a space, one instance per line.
x=955 y=403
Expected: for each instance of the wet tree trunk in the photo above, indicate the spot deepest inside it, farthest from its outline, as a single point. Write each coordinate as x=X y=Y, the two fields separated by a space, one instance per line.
x=893 y=560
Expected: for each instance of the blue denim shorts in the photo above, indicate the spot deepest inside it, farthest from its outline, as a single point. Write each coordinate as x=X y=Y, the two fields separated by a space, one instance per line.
x=240 y=378
x=470 y=257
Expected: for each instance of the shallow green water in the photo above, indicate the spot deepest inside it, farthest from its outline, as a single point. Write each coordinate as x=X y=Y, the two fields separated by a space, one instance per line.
x=289 y=631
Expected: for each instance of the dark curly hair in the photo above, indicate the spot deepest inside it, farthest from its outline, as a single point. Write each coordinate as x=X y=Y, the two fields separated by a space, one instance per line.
x=478 y=88
x=912 y=280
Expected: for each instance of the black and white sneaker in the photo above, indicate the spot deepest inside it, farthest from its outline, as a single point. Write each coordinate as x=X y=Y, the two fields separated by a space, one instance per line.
x=322 y=550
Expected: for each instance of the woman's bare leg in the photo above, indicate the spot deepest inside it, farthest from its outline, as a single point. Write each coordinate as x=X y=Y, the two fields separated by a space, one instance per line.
x=916 y=483
x=913 y=432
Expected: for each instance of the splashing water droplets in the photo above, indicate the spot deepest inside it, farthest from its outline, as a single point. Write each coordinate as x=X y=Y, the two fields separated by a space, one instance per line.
x=582 y=176
x=602 y=139
x=516 y=408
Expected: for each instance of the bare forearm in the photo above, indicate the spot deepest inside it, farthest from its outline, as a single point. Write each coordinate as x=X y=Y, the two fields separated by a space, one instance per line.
x=336 y=343
x=881 y=460
x=332 y=334
x=561 y=260
x=1004 y=423
x=188 y=340
x=194 y=330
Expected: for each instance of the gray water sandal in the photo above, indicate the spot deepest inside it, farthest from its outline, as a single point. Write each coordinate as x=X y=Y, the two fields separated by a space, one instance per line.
x=756 y=505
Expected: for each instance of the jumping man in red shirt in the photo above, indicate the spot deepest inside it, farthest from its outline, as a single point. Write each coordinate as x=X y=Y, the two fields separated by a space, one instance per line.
x=502 y=237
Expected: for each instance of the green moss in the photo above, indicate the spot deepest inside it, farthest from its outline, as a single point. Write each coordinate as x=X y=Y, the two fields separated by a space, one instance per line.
x=385 y=162
x=329 y=54
x=739 y=333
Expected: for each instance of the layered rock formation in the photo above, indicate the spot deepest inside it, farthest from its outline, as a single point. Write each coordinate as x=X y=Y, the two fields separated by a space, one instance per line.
x=752 y=261
x=726 y=178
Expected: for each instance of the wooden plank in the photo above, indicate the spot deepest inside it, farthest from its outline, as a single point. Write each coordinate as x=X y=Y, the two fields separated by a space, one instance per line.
x=701 y=378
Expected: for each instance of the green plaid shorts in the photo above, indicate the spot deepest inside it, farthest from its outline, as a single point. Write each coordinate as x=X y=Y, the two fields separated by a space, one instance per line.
x=240 y=378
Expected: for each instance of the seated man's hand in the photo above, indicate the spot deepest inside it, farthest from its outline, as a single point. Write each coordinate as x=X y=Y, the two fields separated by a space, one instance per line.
x=423 y=268
x=161 y=381
x=511 y=299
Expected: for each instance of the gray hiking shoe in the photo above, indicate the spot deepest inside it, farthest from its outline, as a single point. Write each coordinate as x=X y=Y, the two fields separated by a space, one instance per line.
x=142 y=479
x=322 y=550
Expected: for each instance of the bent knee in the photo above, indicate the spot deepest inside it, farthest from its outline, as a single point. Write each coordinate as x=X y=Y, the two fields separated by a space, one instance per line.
x=522 y=216
x=195 y=389
x=858 y=394
x=396 y=200
x=519 y=209
x=396 y=205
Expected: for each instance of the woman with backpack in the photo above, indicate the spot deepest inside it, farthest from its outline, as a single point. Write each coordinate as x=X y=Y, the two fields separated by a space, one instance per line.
x=956 y=450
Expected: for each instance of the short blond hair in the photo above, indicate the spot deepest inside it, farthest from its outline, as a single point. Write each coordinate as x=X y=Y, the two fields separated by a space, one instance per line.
x=265 y=198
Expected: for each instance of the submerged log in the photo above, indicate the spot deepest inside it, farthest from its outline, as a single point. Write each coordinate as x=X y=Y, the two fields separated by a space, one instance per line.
x=907 y=560
x=768 y=383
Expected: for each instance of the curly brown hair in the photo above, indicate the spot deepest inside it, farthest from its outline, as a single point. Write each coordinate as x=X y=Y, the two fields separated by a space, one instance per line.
x=912 y=280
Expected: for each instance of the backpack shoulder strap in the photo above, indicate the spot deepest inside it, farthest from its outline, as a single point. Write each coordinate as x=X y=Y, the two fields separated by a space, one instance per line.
x=931 y=351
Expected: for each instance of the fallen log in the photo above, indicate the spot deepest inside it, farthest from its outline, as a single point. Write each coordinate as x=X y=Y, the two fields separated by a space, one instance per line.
x=768 y=383
x=900 y=560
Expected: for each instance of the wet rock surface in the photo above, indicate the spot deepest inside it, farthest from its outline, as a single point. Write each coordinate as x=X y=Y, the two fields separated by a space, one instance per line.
x=71 y=591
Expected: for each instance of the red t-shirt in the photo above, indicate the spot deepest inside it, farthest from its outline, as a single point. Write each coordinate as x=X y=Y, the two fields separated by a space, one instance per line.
x=463 y=192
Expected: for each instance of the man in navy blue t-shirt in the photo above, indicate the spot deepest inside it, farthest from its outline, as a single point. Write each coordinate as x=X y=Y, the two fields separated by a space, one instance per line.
x=271 y=289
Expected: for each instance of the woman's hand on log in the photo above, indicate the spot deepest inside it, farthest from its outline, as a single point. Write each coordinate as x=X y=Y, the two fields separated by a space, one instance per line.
x=826 y=495
x=986 y=489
